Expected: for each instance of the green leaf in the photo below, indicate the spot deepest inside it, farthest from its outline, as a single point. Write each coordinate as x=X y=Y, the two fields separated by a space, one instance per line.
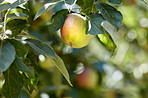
x=18 y=2
x=110 y=14
x=16 y=26
x=22 y=16
x=86 y=6
x=70 y=2
x=46 y=8
x=21 y=50
x=115 y=1
x=1 y=1
x=13 y=83
x=107 y=41
x=20 y=66
x=4 y=7
x=41 y=48
x=27 y=83
x=95 y=21
x=143 y=1
x=61 y=66
x=7 y=55
x=58 y=20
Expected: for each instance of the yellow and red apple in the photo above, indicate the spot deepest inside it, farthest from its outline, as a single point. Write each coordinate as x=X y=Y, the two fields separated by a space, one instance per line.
x=73 y=31
x=88 y=79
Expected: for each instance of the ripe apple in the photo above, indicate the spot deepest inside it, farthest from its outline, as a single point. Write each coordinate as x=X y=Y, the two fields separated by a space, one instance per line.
x=87 y=79
x=46 y=62
x=73 y=31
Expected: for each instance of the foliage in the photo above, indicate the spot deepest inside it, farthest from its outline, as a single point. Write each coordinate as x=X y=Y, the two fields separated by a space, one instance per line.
x=29 y=32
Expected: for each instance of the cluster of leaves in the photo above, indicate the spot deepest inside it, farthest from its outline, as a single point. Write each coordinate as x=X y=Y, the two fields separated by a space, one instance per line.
x=18 y=56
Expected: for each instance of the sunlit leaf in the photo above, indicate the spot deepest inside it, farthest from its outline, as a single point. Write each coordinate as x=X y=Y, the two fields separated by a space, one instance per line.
x=61 y=66
x=7 y=55
x=107 y=41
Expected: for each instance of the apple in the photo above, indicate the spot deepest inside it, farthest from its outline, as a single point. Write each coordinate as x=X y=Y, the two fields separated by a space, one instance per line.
x=73 y=31
x=88 y=79
x=46 y=62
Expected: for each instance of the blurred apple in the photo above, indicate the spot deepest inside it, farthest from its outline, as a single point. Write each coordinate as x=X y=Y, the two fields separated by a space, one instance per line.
x=73 y=31
x=88 y=79
x=46 y=62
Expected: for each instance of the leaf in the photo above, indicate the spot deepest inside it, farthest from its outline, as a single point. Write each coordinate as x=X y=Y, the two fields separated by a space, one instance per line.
x=46 y=8
x=95 y=21
x=20 y=66
x=18 y=2
x=110 y=14
x=58 y=20
x=22 y=16
x=107 y=41
x=27 y=83
x=16 y=26
x=4 y=7
x=7 y=55
x=143 y=1
x=70 y=2
x=21 y=50
x=61 y=66
x=1 y=1
x=86 y=5
x=115 y=1
x=13 y=83
x=41 y=48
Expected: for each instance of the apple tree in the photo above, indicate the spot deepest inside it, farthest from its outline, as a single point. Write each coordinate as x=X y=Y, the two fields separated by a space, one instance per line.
x=43 y=43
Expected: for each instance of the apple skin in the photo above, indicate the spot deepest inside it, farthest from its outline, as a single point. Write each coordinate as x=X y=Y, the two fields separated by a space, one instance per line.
x=88 y=79
x=47 y=63
x=73 y=31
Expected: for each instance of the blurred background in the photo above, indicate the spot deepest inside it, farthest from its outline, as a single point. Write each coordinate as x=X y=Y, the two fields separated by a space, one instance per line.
x=96 y=72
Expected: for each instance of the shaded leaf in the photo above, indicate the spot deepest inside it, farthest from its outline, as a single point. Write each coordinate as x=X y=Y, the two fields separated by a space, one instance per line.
x=16 y=26
x=70 y=2
x=107 y=41
x=110 y=14
x=22 y=16
x=95 y=21
x=58 y=20
x=41 y=48
x=21 y=50
x=61 y=66
x=115 y=1
x=13 y=83
x=20 y=66
x=4 y=7
x=46 y=8
x=86 y=6
x=7 y=55
x=27 y=83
